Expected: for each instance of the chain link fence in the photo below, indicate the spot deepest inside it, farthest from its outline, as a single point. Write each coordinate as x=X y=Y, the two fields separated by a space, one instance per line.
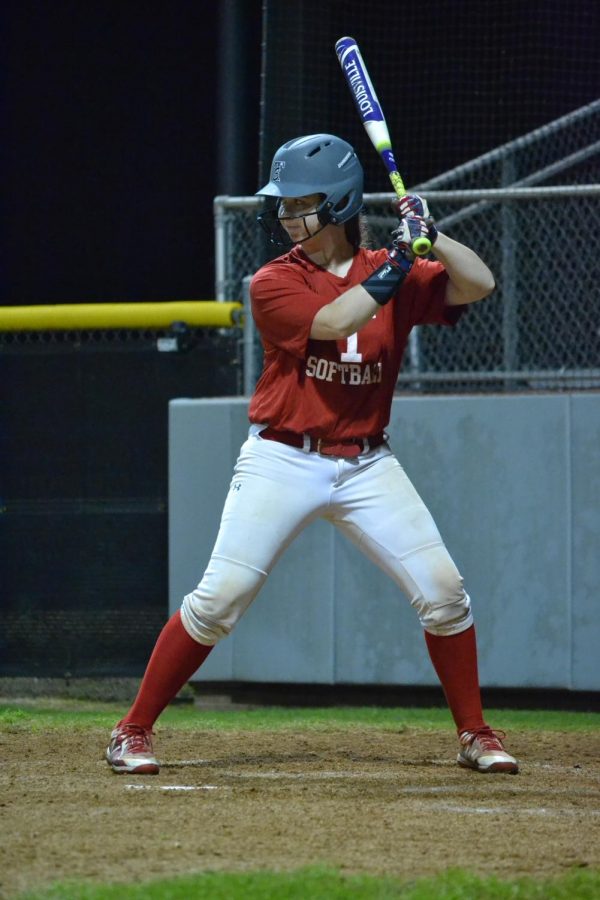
x=540 y=329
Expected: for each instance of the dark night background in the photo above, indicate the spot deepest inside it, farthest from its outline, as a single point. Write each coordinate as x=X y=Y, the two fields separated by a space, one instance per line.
x=121 y=122
x=110 y=137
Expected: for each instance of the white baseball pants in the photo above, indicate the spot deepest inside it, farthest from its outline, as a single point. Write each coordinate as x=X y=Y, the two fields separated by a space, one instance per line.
x=277 y=490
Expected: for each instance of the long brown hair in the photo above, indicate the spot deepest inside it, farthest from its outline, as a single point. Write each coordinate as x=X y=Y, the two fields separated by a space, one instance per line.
x=357 y=232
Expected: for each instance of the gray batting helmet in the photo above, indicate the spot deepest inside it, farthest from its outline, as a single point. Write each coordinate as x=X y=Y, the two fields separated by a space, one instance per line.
x=318 y=164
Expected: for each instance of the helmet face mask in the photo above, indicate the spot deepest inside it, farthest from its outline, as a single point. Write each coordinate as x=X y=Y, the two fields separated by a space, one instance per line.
x=271 y=221
x=315 y=164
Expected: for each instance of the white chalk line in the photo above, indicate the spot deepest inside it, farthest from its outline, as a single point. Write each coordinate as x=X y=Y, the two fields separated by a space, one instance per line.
x=481 y=786
x=172 y=787
x=499 y=781
x=576 y=768
x=555 y=812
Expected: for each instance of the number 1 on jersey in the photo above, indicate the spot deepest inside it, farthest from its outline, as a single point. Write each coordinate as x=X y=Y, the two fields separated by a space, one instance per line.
x=351 y=353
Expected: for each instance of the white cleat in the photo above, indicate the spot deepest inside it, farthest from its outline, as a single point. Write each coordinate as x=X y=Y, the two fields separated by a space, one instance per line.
x=484 y=751
x=130 y=751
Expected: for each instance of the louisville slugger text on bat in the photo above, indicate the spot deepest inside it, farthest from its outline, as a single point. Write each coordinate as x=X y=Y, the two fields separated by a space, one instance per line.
x=371 y=114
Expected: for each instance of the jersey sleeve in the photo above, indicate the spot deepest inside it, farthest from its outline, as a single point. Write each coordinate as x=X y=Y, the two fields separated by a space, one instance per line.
x=427 y=281
x=283 y=307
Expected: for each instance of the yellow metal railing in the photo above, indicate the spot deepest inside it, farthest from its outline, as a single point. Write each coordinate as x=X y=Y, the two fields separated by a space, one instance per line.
x=75 y=316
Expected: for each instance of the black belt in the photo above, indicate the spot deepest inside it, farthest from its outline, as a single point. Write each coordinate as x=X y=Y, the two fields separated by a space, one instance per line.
x=346 y=447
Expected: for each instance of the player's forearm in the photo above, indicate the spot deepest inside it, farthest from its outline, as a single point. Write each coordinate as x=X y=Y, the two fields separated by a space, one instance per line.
x=344 y=316
x=470 y=278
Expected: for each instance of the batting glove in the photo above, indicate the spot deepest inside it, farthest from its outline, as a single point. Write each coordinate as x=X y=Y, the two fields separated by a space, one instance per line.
x=414 y=205
x=411 y=205
x=408 y=231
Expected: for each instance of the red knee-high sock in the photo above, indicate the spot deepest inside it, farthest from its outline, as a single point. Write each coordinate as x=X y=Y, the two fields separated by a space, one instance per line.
x=175 y=658
x=454 y=658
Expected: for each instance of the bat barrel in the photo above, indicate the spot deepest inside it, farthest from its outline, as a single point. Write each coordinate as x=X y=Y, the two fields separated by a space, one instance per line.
x=371 y=115
x=343 y=44
x=358 y=80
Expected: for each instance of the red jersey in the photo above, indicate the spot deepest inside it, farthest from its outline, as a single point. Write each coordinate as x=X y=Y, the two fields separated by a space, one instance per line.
x=335 y=389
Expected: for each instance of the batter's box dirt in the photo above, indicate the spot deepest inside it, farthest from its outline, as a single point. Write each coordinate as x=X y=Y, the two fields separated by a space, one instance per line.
x=361 y=800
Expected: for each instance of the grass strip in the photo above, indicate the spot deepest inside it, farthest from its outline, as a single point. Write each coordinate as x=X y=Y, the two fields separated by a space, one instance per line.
x=318 y=883
x=42 y=714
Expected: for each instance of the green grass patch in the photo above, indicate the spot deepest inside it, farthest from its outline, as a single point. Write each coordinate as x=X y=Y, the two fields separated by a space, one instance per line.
x=43 y=714
x=328 y=884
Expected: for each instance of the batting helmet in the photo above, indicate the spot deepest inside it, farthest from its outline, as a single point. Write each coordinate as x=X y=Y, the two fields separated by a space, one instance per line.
x=316 y=164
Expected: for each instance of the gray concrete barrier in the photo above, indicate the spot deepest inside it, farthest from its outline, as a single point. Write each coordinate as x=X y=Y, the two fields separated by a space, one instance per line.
x=514 y=485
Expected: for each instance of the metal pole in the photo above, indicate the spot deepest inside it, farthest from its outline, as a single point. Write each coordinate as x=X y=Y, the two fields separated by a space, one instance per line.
x=414 y=353
x=220 y=275
x=249 y=341
x=238 y=71
x=510 y=300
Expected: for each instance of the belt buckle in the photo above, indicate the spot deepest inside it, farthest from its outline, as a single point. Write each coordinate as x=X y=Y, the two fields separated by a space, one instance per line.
x=364 y=442
x=320 y=447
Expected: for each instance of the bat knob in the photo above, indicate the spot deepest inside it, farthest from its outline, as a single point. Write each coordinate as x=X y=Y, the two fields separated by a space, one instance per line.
x=421 y=246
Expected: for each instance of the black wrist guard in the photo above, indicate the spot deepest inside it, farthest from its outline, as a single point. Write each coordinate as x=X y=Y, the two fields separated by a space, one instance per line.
x=383 y=283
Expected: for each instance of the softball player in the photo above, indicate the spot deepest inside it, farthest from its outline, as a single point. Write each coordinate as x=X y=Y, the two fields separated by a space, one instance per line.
x=334 y=318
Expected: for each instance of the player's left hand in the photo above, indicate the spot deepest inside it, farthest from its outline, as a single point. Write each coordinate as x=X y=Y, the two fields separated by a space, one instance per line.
x=414 y=205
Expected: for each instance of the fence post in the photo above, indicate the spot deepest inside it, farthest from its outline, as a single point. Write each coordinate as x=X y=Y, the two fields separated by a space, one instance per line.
x=220 y=247
x=510 y=300
x=414 y=354
x=249 y=341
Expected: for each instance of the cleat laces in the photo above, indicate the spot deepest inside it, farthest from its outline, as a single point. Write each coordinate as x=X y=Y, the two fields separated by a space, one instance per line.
x=133 y=739
x=487 y=737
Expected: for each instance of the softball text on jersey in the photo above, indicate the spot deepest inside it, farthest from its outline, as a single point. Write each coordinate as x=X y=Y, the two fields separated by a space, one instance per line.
x=335 y=389
x=344 y=372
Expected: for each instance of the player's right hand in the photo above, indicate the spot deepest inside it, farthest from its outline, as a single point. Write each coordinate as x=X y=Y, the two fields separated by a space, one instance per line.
x=411 y=205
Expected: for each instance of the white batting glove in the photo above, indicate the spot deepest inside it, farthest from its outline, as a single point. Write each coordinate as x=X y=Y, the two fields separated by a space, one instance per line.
x=412 y=205
x=409 y=229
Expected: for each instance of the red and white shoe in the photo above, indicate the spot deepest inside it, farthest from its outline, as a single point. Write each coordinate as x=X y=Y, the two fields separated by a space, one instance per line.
x=130 y=751
x=484 y=751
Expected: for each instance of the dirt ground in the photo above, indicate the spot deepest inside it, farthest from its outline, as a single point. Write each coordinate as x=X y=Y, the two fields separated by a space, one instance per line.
x=365 y=801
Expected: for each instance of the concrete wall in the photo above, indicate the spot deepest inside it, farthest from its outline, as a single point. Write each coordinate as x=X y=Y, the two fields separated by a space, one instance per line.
x=514 y=485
